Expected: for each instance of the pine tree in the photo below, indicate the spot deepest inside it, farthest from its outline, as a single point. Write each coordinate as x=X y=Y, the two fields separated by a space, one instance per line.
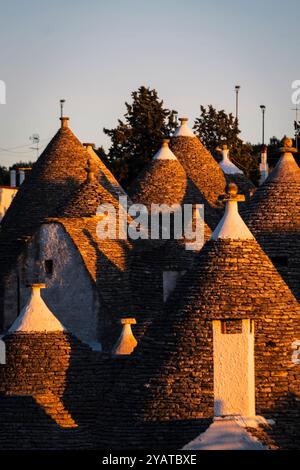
x=103 y=157
x=215 y=128
x=139 y=135
x=4 y=176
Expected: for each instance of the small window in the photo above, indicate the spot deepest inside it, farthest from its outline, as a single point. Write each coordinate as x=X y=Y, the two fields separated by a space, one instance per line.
x=280 y=261
x=49 y=267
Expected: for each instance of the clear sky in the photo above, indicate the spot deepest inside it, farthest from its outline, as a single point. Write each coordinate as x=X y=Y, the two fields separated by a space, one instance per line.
x=94 y=53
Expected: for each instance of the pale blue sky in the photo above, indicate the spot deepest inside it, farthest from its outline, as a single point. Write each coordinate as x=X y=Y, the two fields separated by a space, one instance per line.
x=94 y=53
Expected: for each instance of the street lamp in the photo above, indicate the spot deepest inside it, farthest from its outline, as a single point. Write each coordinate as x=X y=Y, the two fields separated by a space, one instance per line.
x=263 y=109
x=237 y=89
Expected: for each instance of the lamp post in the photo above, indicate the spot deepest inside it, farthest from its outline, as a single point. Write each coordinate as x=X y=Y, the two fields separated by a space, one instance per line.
x=237 y=89
x=263 y=109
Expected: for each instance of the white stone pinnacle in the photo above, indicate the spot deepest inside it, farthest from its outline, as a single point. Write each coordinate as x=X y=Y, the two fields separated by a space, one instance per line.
x=227 y=166
x=183 y=130
x=164 y=152
x=232 y=226
x=126 y=342
x=36 y=317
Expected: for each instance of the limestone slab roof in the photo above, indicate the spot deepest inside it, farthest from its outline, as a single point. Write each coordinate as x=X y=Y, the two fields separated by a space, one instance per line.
x=275 y=205
x=204 y=172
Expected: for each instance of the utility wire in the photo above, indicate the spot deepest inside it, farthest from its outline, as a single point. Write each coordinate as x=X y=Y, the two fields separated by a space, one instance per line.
x=12 y=149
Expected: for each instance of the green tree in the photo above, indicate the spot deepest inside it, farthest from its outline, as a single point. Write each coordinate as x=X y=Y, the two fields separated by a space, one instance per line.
x=104 y=157
x=138 y=136
x=4 y=172
x=4 y=176
x=215 y=127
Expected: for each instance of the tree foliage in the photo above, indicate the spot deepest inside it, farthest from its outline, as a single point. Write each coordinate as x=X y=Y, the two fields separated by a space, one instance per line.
x=215 y=128
x=4 y=172
x=139 y=135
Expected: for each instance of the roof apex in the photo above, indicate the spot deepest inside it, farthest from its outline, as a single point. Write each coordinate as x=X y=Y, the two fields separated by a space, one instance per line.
x=232 y=226
x=164 y=152
x=227 y=165
x=183 y=130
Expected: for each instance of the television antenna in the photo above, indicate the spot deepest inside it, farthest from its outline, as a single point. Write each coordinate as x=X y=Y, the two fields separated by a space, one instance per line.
x=35 y=139
x=296 y=125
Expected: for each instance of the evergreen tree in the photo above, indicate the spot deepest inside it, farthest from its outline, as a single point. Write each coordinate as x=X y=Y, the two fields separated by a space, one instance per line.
x=139 y=135
x=103 y=157
x=4 y=176
x=5 y=172
x=215 y=128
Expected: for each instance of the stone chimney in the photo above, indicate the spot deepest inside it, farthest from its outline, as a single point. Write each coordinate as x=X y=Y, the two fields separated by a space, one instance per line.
x=64 y=122
x=88 y=146
x=21 y=176
x=13 y=178
x=126 y=342
x=263 y=167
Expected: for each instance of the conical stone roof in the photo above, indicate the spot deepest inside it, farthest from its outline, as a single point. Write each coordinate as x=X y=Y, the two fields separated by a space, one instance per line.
x=54 y=179
x=105 y=177
x=52 y=190
x=163 y=181
x=47 y=363
x=273 y=216
x=171 y=376
x=89 y=196
x=202 y=169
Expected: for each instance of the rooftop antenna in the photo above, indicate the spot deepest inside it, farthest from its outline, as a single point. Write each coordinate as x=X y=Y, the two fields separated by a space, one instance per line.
x=296 y=125
x=62 y=102
x=35 y=139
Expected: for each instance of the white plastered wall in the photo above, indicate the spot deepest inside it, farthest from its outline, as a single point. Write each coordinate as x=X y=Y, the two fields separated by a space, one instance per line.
x=234 y=382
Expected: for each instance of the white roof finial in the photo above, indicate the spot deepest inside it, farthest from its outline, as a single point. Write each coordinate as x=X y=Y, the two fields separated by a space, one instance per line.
x=227 y=166
x=36 y=317
x=126 y=342
x=183 y=130
x=164 y=152
x=232 y=226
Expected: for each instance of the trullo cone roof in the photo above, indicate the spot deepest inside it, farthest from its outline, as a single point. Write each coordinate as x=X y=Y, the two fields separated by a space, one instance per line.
x=202 y=169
